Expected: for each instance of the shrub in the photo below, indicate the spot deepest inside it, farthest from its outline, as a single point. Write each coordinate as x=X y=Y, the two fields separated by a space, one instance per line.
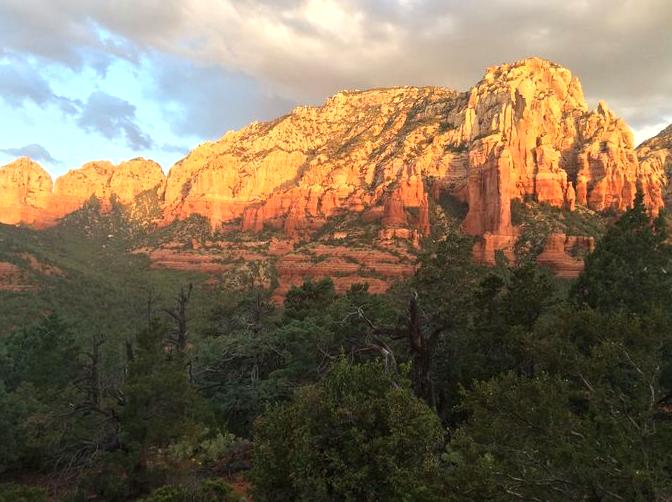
x=11 y=492
x=358 y=435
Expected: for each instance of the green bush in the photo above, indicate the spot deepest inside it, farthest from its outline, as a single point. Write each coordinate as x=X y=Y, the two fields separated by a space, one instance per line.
x=360 y=434
x=19 y=493
x=108 y=482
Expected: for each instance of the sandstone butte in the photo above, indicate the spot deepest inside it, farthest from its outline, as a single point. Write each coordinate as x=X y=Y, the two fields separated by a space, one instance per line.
x=523 y=132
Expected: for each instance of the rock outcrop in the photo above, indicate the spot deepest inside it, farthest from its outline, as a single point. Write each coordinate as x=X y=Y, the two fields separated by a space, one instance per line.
x=13 y=278
x=25 y=194
x=29 y=197
x=104 y=181
x=352 y=154
x=532 y=136
x=655 y=156
x=20 y=276
x=563 y=254
x=524 y=131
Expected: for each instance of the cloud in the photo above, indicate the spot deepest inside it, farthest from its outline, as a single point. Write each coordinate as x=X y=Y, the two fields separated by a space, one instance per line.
x=207 y=100
x=309 y=48
x=63 y=31
x=168 y=148
x=20 y=83
x=34 y=151
x=304 y=50
x=114 y=118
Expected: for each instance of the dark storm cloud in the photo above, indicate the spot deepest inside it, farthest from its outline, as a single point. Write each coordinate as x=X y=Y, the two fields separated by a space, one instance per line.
x=113 y=118
x=304 y=50
x=34 y=151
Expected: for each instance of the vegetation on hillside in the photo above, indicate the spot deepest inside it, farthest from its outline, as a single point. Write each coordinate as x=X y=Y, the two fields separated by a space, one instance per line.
x=101 y=286
x=461 y=383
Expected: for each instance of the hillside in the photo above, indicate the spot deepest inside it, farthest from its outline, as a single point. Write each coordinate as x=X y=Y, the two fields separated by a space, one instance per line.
x=85 y=270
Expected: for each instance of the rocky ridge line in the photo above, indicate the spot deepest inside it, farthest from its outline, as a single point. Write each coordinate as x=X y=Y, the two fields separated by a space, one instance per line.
x=523 y=132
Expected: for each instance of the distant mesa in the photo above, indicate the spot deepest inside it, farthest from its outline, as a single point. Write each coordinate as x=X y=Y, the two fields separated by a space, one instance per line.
x=523 y=132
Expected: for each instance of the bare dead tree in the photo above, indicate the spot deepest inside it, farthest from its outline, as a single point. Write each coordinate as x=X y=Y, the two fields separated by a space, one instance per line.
x=257 y=313
x=93 y=370
x=89 y=380
x=93 y=407
x=178 y=314
x=130 y=354
x=261 y=309
x=376 y=339
x=422 y=346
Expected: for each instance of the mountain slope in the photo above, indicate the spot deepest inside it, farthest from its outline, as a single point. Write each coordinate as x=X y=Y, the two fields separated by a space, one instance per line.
x=85 y=270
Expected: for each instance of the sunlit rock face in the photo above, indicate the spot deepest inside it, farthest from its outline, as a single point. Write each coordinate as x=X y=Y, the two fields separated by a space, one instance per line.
x=29 y=197
x=532 y=136
x=105 y=181
x=25 y=194
x=523 y=132
x=655 y=156
x=358 y=151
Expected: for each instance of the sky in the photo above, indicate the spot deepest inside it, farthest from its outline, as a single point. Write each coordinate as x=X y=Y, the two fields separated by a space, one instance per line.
x=85 y=80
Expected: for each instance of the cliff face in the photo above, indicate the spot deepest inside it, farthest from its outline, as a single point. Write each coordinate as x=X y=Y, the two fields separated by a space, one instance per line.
x=25 y=193
x=104 y=181
x=531 y=135
x=353 y=154
x=523 y=132
x=655 y=155
x=28 y=196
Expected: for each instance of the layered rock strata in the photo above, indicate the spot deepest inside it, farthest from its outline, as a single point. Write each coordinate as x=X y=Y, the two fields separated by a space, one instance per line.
x=563 y=254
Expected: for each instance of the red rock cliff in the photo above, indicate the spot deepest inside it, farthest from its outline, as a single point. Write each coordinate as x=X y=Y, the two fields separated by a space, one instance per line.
x=523 y=131
x=655 y=156
x=28 y=196
x=25 y=192
x=531 y=134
